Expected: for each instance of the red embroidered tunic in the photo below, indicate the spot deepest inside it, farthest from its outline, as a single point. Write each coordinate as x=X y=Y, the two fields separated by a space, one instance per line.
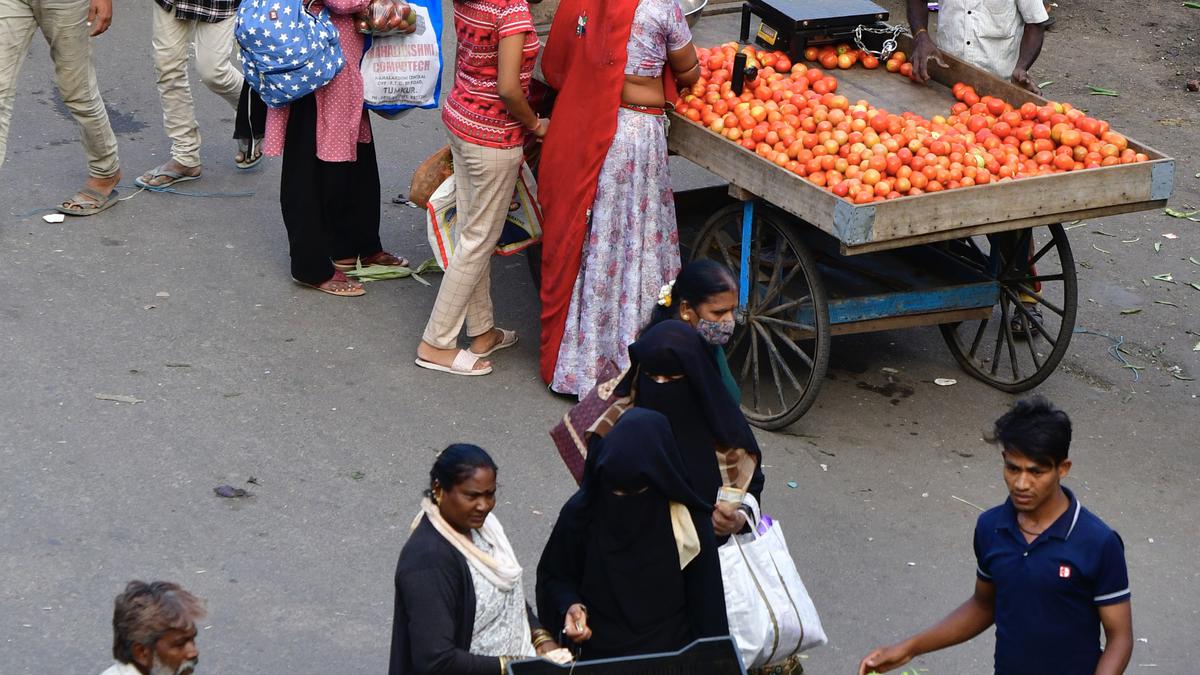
x=473 y=110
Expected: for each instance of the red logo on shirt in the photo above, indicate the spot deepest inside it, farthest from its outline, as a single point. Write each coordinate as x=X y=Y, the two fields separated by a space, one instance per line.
x=1064 y=572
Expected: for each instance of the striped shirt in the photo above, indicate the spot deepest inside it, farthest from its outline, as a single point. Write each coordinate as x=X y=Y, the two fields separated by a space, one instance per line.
x=208 y=11
x=473 y=110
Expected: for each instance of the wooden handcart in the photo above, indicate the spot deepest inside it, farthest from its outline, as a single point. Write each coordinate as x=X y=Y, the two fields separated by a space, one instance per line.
x=812 y=265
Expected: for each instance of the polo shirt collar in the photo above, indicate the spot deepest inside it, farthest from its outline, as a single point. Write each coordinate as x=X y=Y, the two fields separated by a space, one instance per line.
x=1060 y=529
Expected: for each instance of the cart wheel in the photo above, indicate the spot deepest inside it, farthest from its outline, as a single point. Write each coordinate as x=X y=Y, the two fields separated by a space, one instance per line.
x=780 y=349
x=1022 y=342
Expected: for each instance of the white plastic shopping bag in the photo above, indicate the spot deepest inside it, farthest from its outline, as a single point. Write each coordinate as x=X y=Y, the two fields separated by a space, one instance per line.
x=522 y=225
x=771 y=615
x=404 y=71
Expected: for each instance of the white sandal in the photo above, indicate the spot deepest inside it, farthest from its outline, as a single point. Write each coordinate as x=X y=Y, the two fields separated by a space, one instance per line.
x=464 y=364
x=508 y=338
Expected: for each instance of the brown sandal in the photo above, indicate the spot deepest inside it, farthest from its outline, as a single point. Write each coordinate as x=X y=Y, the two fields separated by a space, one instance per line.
x=338 y=284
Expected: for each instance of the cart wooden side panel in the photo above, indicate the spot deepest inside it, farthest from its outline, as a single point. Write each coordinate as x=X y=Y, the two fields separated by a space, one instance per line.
x=950 y=214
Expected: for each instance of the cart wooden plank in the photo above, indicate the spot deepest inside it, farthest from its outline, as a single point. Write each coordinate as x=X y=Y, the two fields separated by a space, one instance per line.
x=929 y=217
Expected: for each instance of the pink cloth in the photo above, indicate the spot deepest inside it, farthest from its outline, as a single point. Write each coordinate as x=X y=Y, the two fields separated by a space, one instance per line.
x=341 y=121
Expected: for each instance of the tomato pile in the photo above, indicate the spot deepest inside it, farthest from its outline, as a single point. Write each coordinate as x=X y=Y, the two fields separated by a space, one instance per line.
x=792 y=115
x=386 y=17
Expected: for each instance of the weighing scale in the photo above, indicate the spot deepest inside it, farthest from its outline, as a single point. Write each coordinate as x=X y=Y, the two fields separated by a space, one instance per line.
x=790 y=26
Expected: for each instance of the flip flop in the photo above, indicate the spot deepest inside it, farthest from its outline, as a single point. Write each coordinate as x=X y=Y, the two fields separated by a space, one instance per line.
x=161 y=172
x=337 y=276
x=377 y=258
x=464 y=364
x=508 y=338
x=98 y=203
x=251 y=151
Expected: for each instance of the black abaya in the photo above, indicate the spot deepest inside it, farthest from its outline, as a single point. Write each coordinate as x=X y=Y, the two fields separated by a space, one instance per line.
x=702 y=413
x=616 y=553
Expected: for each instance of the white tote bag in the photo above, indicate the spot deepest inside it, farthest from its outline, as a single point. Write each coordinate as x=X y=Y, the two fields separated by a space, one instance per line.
x=771 y=615
x=404 y=71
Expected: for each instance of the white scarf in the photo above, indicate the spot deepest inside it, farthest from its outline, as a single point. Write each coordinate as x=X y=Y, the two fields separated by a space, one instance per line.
x=500 y=568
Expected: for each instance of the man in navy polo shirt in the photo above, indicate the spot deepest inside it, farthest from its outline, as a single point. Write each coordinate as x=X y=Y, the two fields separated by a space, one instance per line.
x=1050 y=573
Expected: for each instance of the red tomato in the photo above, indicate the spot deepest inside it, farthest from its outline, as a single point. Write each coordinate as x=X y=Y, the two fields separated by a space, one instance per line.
x=811 y=53
x=870 y=62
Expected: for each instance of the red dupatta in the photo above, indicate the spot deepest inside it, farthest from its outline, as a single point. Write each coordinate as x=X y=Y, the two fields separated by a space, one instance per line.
x=587 y=69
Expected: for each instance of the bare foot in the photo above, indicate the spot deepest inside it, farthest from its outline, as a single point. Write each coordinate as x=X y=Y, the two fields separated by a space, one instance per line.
x=445 y=357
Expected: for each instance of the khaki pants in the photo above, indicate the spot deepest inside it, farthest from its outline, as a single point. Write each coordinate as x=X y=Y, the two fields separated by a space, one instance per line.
x=484 y=180
x=64 y=25
x=215 y=64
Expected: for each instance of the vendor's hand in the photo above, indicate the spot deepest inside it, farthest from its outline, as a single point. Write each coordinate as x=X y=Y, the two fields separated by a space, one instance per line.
x=725 y=524
x=1020 y=77
x=100 y=16
x=547 y=647
x=542 y=127
x=923 y=52
x=576 y=626
x=884 y=659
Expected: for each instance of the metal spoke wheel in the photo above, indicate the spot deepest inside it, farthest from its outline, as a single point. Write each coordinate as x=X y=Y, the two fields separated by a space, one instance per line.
x=1024 y=339
x=780 y=350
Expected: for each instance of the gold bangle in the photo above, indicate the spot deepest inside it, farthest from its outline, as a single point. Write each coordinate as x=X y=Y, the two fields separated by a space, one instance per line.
x=919 y=31
x=504 y=665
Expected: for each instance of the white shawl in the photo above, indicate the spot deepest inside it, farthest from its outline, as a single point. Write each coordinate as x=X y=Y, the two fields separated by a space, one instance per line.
x=501 y=568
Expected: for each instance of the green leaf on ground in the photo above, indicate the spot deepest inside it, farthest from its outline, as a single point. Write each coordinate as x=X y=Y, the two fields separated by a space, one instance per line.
x=1047 y=83
x=1134 y=310
x=1175 y=213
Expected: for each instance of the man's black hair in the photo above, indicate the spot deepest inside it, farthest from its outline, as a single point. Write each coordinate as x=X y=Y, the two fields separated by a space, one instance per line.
x=1036 y=429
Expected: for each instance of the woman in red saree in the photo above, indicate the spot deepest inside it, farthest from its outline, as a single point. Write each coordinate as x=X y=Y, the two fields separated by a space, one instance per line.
x=610 y=239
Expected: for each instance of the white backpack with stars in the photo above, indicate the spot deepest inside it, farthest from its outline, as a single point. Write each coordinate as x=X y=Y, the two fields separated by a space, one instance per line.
x=287 y=52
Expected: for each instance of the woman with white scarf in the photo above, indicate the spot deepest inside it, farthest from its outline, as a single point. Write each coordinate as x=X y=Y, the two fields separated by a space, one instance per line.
x=460 y=606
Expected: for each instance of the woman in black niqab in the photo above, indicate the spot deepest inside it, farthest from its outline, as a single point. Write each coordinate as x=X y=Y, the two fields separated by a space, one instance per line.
x=677 y=376
x=619 y=544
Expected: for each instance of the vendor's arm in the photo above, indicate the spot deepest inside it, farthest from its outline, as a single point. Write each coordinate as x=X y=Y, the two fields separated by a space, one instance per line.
x=1031 y=46
x=432 y=597
x=924 y=49
x=508 y=84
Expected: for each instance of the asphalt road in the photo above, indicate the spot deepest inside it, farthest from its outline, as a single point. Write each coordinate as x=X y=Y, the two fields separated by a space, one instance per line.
x=185 y=302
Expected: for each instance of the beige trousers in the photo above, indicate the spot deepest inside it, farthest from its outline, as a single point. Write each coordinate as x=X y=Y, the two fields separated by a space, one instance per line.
x=64 y=25
x=214 y=63
x=484 y=180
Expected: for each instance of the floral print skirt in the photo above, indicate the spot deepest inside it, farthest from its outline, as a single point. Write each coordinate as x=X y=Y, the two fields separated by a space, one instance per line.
x=631 y=250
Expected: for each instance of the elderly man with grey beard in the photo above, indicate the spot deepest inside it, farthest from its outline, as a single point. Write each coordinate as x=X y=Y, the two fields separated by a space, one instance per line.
x=154 y=630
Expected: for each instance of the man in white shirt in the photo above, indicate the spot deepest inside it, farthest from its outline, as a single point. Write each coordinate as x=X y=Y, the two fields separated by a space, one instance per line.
x=154 y=630
x=1003 y=37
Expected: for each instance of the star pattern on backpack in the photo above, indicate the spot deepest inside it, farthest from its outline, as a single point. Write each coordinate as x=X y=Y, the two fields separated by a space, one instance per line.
x=287 y=52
